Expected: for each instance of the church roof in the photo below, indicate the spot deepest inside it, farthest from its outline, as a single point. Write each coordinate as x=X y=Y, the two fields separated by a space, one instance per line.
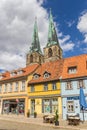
x=35 y=46
x=52 y=34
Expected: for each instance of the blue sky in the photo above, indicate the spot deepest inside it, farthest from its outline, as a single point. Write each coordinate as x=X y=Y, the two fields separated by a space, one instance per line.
x=17 y=22
x=67 y=13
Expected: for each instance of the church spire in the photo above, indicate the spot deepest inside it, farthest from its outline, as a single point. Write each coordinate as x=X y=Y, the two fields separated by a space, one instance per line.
x=52 y=35
x=35 y=46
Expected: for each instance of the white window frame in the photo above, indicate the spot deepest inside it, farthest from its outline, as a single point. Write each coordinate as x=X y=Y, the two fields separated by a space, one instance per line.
x=23 y=85
x=69 y=85
x=70 y=106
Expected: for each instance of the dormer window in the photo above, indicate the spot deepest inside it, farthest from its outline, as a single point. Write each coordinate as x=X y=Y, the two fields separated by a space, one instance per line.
x=72 y=70
x=13 y=73
x=36 y=76
x=46 y=74
x=20 y=72
x=1 y=76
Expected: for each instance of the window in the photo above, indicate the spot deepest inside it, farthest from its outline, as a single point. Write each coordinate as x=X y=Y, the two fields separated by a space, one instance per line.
x=50 y=52
x=31 y=58
x=46 y=106
x=5 y=88
x=45 y=87
x=32 y=88
x=13 y=73
x=54 y=87
x=23 y=86
x=72 y=70
x=16 y=87
x=20 y=72
x=54 y=105
x=0 y=88
x=46 y=74
x=10 y=87
x=81 y=84
x=36 y=76
x=69 y=85
x=1 y=76
x=70 y=106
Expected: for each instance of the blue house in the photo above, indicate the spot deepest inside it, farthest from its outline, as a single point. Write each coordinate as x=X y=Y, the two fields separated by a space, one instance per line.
x=74 y=76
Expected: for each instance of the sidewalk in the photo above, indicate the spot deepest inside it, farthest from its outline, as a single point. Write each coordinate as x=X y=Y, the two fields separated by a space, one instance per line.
x=39 y=121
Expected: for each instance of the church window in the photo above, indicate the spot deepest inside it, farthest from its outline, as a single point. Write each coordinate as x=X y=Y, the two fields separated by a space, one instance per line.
x=49 y=52
x=31 y=58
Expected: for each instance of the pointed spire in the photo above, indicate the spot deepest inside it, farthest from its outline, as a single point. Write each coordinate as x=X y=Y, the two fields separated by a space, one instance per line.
x=52 y=35
x=35 y=46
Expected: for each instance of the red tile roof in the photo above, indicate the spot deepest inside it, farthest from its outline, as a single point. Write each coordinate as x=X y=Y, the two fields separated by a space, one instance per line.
x=80 y=62
x=26 y=71
x=54 y=68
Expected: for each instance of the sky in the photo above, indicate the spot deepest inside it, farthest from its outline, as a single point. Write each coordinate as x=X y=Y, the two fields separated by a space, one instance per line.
x=16 y=28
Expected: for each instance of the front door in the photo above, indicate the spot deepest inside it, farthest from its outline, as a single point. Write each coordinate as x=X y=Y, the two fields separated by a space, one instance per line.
x=32 y=106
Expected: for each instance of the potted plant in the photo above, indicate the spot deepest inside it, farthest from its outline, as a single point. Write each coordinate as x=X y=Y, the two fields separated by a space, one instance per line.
x=56 y=118
x=35 y=114
x=28 y=113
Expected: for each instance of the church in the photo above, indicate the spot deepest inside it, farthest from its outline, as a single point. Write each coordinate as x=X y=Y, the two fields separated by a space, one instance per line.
x=48 y=83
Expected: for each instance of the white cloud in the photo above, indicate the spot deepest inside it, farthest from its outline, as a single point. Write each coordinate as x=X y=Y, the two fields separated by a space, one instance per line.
x=70 y=23
x=65 y=42
x=16 y=27
x=82 y=25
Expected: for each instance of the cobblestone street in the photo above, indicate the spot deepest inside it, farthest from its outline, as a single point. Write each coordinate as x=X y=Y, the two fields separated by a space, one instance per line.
x=8 y=125
x=12 y=122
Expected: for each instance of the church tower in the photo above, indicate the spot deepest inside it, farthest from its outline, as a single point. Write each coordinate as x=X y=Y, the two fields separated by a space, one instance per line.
x=34 y=55
x=52 y=51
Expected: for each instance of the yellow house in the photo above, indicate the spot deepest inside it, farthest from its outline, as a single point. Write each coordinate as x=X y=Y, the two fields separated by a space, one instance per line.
x=44 y=91
x=13 y=90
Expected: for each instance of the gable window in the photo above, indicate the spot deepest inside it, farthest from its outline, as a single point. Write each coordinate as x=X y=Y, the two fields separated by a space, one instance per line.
x=81 y=83
x=70 y=106
x=54 y=87
x=72 y=70
x=32 y=88
x=45 y=87
x=69 y=85
x=50 y=52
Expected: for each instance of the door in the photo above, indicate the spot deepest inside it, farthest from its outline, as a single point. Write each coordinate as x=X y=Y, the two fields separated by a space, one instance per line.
x=32 y=106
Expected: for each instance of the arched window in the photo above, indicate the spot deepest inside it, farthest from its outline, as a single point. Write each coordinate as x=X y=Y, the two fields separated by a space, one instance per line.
x=49 y=52
x=31 y=58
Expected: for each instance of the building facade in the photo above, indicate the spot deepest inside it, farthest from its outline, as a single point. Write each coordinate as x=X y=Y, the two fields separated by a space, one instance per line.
x=13 y=90
x=74 y=76
x=48 y=83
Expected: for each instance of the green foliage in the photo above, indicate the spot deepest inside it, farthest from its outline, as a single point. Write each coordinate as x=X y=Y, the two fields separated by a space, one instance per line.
x=56 y=115
x=28 y=113
x=35 y=114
